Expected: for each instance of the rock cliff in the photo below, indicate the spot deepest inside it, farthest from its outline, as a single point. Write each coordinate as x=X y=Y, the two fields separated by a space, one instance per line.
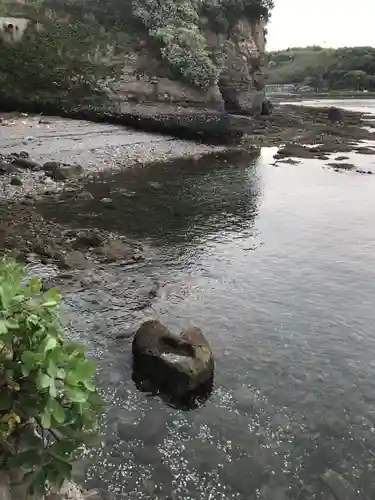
x=104 y=54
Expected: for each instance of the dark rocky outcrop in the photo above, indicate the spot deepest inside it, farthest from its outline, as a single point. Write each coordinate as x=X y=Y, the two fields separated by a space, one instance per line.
x=176 y=365
x=335 y=115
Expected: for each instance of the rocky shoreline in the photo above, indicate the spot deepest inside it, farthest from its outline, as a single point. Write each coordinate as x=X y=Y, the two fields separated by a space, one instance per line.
x=46 y=158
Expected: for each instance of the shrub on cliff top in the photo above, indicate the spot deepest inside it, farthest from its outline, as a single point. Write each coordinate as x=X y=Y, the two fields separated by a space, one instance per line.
x=175 y=25
x=48 y=404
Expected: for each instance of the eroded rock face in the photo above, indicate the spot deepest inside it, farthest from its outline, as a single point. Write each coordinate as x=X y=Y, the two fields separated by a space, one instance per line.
x=241 y=81
x=174 y=364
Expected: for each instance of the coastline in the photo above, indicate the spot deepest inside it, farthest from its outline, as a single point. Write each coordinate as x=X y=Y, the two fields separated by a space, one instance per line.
x=78 y=150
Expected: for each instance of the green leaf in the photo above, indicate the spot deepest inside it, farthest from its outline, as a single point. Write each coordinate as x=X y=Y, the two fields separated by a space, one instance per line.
x=75 y=395
x=46 y=420
x=57 y=411
x=53 y=294
x=49 y=303
x=12 y=324
x=6 y=400
x=26 y=460
x=32 y=320
x=89 y=385
x=61 y=373
x=64 y=468
x=52 y=369
x=5 y=296
x=35 y=286
x=85 y=370
x=64 y=447
x=38 y=483
x=43 y=380
x=3 y=327
x=50 y=344
x=52 y=388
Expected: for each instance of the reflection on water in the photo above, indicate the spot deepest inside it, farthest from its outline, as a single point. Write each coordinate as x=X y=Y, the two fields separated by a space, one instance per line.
x=277 y=266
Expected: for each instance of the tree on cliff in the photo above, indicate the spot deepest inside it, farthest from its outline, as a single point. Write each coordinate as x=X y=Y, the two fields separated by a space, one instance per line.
x=348 y=68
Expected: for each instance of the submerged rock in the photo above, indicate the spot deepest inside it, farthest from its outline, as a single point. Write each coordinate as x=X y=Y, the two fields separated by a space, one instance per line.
x=116 y=250
x=176 y=365
x=342 y=166
x=339 y=486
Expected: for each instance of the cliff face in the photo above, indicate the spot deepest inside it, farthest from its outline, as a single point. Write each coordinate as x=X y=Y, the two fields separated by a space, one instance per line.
x=72 y=53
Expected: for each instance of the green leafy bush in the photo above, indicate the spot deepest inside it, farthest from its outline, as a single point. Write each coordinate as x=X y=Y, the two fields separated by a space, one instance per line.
x=175 y=25
x=48 y=404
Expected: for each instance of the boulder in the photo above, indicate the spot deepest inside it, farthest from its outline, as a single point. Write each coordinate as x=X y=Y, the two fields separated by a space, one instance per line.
x=62 y=171
x=116 y=250
x=335 y=115
x=175 y=364
x=20 y=160
x=7 y=168
x=267 y=107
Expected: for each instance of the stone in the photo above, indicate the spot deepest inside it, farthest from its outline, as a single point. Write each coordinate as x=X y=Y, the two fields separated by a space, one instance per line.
x=267 y=107
x=16 y=181
x=335 y=115
x=175 y=364
x=155 y=185
x=73 y=260
x=116 y=250
x=84 y=196
x=290 y=161
x=26 y=163
x=340 y=487
x=295 y=150
x=88 y=238
x=127 y=431
x=71 y=491
x=7 y=168
x=364 y=150
x=245 y=398
x=62 y=171
x=147 y=455
x=342 y=166
x=152 y=428
x=341 y=158
x=106 y=201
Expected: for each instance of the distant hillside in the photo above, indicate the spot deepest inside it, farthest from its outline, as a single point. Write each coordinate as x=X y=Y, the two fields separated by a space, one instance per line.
x=349 y=68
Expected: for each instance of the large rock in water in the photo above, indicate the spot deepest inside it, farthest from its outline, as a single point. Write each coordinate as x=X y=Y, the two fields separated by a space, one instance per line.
x=176 y=364
x=336 y=115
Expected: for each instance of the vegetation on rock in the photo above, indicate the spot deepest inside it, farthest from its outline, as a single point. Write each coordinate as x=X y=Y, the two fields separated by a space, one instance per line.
x=55 y=68
x=48 y=404
x=347 y=68
x=71 y=50
x=177 y=26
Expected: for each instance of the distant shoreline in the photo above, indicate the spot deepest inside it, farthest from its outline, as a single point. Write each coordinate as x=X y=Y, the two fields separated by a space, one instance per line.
x=301 y=96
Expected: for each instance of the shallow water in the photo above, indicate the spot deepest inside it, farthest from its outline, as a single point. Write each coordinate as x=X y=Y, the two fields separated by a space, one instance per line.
x=360 y=105
x=277 y=266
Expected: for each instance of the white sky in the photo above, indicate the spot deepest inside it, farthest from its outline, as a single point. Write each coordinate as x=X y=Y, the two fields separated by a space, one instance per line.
x=329 y=23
